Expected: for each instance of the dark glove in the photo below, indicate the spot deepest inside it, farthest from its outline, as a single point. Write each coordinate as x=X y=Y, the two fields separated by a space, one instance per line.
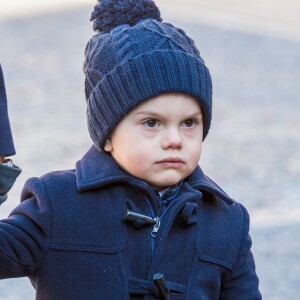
x=8 y=175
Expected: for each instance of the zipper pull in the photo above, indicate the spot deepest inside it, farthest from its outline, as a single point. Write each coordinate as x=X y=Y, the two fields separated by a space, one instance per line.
x=155 y=227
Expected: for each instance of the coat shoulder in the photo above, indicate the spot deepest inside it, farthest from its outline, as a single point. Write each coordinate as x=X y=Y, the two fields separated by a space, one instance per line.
x=222 y=229
x=46 y=187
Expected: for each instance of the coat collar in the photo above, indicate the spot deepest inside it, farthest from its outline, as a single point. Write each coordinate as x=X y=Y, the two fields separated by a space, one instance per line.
x=97 y=169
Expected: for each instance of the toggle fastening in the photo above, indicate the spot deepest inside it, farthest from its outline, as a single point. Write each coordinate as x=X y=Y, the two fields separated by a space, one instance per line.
x=161 y=285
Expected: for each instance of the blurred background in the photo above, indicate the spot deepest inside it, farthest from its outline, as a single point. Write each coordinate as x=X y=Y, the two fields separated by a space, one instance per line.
x=252 y=49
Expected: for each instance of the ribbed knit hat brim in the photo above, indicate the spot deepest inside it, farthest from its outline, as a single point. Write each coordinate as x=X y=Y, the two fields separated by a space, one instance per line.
x=141 y=78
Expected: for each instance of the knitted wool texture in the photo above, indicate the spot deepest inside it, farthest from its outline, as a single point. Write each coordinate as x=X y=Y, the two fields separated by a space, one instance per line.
x=130 y=64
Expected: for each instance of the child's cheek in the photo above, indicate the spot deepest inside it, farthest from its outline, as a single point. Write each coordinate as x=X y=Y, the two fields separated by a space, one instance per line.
x=148 y=133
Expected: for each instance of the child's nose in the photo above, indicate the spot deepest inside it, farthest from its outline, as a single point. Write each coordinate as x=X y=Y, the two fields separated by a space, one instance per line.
x=172 y=139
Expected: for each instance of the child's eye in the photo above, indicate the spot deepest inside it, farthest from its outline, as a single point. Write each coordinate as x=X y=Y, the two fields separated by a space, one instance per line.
x=189 y=123
x=151 y=123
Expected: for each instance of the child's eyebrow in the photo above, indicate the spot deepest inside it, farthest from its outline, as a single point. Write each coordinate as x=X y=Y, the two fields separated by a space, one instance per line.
x=145 y=112
x=158 y=114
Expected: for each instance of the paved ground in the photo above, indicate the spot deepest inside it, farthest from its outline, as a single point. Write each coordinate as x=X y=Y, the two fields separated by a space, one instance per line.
x=252 y=150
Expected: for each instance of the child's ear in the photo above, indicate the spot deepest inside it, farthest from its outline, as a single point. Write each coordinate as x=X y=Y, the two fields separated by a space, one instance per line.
x=108 y=145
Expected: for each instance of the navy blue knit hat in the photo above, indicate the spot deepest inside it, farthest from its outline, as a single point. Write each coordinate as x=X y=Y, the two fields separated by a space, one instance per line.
x=134 y=57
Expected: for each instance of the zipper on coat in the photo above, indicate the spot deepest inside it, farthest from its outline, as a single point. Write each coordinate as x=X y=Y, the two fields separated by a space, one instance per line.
x=155 y=227
x=158 y=222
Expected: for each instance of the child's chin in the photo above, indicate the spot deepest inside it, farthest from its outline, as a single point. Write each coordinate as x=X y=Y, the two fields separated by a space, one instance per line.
x=168 y=183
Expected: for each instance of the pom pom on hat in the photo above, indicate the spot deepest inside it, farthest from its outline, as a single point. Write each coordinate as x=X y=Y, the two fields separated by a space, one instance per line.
x=108 y=14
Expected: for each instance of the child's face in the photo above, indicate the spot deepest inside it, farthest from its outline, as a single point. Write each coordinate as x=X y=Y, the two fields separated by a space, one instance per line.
x=160 y=140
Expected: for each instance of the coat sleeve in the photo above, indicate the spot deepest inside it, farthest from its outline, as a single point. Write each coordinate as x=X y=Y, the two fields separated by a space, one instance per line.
x=25 y=235
x=242 y=282
x=6 y=140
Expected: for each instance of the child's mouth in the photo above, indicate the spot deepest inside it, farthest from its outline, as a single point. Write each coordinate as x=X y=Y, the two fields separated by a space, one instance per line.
x=171 y=162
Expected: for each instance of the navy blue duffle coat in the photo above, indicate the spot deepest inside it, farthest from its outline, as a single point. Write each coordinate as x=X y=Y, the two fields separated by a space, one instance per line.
x=69 y=236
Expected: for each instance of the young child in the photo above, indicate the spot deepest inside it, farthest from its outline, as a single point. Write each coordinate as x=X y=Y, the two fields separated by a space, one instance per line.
x=137 y=218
